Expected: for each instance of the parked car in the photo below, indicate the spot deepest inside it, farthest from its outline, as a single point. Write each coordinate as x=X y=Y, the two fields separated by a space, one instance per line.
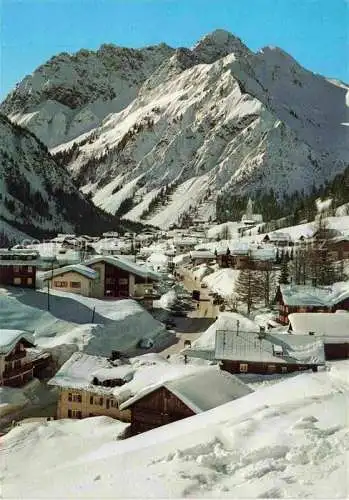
x=203 y=285
x=145 y=343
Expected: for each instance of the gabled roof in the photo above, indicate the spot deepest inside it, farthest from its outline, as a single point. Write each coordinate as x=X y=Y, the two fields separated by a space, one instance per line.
x=9 y=338
x=200 y=391
x=304 y=295
x=246 y=346
x=126 y=265
x=331 y=327
x=76 y=268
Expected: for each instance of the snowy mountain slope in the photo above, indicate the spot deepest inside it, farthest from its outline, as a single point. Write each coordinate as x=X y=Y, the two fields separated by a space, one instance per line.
x=70 y=94
x=217 y=116
x=37 y=196
x=286 y=440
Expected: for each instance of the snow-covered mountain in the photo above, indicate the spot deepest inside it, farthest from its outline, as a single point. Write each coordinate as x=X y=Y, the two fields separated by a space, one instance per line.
x=214 y=118
x=38 y=196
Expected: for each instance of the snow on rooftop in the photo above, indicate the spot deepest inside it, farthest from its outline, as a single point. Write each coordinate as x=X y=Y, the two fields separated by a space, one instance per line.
x=9 y=338
x=126 y=265
x=77 y=268
x=248 y=346
x=296 y=295
x=285 y=440
x=329 y=326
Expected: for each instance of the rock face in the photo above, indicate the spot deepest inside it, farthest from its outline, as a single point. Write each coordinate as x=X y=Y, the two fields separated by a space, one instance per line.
x=38 y=196
x=199 y=122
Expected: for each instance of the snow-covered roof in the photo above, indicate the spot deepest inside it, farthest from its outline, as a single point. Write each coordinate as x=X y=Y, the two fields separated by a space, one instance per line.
x=76 y=268
x=79 y=370
x=126 y=265
x=123 y=372
x=201 y=391
x=248 y=346
x=202 y=254
x=263 y=253
x=329 y=326
x=9 y=338
x=298 y=295
x=279 y=236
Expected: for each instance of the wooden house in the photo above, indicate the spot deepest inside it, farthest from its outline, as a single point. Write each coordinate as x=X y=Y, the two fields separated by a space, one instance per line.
x=332 y=329
x=181 y=398
x=338 y=248
x=18 y=267
x=119 y=277
x=307 y=299
x=17 y=364
x=267 y=353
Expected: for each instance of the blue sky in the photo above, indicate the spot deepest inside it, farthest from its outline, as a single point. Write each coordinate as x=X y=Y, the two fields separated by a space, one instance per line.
x=315 y=32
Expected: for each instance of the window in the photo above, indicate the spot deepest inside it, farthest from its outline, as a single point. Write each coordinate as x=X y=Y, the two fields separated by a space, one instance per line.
x=70 y=397
x=16 y=269
x=123 y=281
x=30 y=269
x=271 y=368
x=60 y=284
x=91 y=400
x=17 y=281
x=107 y=403
x=101 y=401
x=17 y=364
x=75 y=284
x=29 y=281
x=74 y=414
x=69 y=414
x=243 y=367
x=284 y=369
x=77 y=398
x=110 y=281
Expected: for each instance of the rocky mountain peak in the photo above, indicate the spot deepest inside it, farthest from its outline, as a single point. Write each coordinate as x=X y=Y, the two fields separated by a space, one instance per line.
x=218 y=44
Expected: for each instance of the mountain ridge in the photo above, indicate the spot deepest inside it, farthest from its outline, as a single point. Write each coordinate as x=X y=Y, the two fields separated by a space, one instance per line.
x=218 y=117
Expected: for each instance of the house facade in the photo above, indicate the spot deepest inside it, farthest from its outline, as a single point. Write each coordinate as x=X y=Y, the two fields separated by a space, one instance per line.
x=267 y=354
x=182 y=397
x=306 y=299
x=17 y=364
x=76 y=278
x=86 y=387
x=18 y=268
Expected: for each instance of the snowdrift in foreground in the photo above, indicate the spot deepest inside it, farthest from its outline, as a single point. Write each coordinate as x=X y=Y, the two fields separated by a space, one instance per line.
x=287 y=440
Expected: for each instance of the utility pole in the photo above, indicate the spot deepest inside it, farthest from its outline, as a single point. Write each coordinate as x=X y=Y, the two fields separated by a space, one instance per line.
x=48 y=287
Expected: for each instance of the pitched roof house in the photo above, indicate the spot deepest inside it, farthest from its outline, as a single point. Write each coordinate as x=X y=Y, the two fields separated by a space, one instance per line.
x=182 y=397
x=266 y=353
x=17 y=363
x=304 y=298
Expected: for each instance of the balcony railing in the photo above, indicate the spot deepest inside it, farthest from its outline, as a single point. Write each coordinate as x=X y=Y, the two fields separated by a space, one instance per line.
x=15 y=355
x=14 y=372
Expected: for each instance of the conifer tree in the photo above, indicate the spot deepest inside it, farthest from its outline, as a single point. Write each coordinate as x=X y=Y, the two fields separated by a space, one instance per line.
x=248 y=288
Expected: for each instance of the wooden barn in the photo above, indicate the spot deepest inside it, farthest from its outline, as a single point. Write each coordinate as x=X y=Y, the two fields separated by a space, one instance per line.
x=181 y=398
x=332 y=329
x=265 y=353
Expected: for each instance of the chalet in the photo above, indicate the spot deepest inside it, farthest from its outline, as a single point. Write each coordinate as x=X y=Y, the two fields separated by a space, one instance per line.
x=86 y=387
x=306 y=299
x=332 y=329
x=106 y=276
x=118 y=277
x=18 y=267
x=18 y=362
x=198 y=257
x=75 y=278
x=184 y=245
x=247 y=258
x=278 y=239
x=182 y=397
x=267 y=353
